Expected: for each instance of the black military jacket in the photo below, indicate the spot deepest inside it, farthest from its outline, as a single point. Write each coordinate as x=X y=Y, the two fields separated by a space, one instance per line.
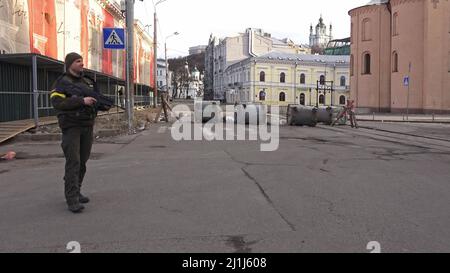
x=67 y=98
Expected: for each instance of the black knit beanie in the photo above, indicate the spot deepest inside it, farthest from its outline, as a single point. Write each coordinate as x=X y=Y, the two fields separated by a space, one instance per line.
x=70 y=58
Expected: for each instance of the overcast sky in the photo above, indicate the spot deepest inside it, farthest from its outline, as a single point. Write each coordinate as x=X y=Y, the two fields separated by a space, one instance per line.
x=197 y=19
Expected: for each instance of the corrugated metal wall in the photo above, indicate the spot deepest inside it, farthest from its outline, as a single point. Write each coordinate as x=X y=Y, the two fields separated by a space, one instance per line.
x=15 y=96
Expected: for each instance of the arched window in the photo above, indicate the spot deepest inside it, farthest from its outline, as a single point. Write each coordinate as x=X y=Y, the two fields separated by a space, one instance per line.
x=322 y=80
x=395 y=24
x=282 y=96
x=262 y=76
x=321 y=99
x=262 y=96
x=342 y=100
x=302 y=99
x=302 y=79
x=282 y=77
x=395 y=61
x=366 y=63
x=366 y=29
x=343 y=82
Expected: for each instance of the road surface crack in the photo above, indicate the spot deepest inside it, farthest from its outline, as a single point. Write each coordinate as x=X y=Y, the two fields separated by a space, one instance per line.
x=266 y=196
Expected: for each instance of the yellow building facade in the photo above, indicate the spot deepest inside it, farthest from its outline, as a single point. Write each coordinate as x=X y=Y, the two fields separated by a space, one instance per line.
x=281 y=79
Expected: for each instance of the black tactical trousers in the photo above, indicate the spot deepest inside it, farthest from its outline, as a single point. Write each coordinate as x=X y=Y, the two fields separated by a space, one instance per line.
x=76 y=144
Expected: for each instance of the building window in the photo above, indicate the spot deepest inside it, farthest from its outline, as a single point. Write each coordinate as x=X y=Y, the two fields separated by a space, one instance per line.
x=395 y=61
x=282 y=77
x=366 y=29
x=322 y=80
x=302 y=99
x=395 y=24
x=262 y=76
x=262 y=96
x=351 y=65
x=282 y=96
x=343 y=81
x=302 y=79
x=366 y=63
x=342 y=100
x=321 y=99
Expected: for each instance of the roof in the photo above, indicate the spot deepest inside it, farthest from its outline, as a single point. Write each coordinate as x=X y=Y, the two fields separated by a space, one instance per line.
x=45 y=62
x=377 y=2
x=372 y=3
x=276 y=41
x=275 y=55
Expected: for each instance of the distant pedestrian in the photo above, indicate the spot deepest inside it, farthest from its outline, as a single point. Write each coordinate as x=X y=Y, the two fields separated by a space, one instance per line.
x=121 y=97
x=75 y=98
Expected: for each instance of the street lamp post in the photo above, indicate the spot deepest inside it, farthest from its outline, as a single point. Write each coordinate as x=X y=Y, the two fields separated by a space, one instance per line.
x=155 y=54
x=167 y=64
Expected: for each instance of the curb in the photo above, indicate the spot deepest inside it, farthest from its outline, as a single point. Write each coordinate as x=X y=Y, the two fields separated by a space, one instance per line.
x=38 y=137
x=410 y=121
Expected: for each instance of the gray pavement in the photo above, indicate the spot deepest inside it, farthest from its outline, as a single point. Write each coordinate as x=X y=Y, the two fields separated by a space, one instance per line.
x=324 y=190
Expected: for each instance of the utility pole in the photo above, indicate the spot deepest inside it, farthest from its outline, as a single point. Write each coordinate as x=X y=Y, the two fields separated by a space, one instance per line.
x=129 y=88
x=155 y=52
x=155 y=56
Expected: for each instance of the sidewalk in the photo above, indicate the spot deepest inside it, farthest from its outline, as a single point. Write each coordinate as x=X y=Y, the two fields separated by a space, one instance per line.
x=388 y=117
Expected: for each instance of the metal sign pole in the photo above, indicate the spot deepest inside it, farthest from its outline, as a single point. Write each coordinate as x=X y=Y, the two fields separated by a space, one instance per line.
x=129 y=62
x=35 y=91
x=407 y=100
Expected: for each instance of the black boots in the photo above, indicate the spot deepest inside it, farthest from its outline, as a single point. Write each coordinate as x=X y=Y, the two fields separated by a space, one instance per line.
x=76 y=207
x=83 y=199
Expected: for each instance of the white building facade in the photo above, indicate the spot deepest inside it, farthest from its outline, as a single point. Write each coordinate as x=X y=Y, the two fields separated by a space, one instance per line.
x=221 y=53
x=161 y=76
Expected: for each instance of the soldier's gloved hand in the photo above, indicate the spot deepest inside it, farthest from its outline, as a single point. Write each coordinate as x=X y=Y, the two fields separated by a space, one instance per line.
x=89 y=101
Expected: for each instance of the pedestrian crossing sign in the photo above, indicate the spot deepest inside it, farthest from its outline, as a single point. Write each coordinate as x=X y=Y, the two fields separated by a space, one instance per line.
x=113 y=38
x=406 y=81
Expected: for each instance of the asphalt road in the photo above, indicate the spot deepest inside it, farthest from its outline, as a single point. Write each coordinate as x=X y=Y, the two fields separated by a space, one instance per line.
x=324 y=190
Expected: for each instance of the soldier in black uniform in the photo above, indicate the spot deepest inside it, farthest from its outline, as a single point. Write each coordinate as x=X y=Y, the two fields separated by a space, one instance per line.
x=75 y=98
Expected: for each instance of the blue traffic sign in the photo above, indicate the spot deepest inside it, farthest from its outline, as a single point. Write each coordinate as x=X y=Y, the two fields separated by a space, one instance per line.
x=113 y=38
x=406 y=81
